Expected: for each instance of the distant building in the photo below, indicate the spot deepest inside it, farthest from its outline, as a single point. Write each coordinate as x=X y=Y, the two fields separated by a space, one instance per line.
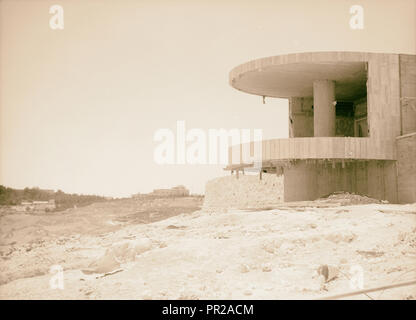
x=181 y=191
x=178 y=191
x=36 y=206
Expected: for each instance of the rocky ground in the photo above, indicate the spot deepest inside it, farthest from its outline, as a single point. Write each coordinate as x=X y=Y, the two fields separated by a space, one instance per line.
x=270 y=253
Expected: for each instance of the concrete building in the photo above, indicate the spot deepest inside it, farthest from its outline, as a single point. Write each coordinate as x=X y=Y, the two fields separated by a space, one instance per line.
x=178 y=191
x=352 y=123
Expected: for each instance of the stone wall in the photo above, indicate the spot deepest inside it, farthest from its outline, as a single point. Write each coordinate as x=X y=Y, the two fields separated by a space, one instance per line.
x=248 y=191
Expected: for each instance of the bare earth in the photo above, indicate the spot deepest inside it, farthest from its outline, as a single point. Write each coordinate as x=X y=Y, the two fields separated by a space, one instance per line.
x=126 y=250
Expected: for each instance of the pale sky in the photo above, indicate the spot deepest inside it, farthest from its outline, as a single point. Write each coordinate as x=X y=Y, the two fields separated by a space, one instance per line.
x=79 y=106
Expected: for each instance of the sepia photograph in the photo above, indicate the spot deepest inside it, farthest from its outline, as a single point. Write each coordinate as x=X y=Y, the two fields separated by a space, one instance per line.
x=214 y=150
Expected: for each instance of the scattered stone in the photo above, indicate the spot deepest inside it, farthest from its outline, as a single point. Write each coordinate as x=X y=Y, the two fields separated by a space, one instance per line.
x=171 y=226
x=248 y=292
x=286 y=247
x=163 y=245
x=142 y=245
x=271 y=246
x=408 y=238
x=163 y=293
x=266 y=267
x=221 y=235
x=244 y=268
x=106 y=263
x=341 y=237
x=370 y=254
x=394 y=269
x=126 y=251
x=342 y=211
x=327 y=272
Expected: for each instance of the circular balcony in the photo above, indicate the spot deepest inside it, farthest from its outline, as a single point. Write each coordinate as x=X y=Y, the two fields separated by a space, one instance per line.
x=311 y=148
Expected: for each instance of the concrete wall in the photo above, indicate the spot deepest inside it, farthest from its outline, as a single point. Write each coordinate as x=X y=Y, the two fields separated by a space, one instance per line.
x=406 y=168
x=300 y=117
x=305 y=181
x=408 y=92
x=406 y=144
x=360 y=118
x=382 y=180
x=248 y=191
x=344 y=126
x=360 y=108
x=383 y=99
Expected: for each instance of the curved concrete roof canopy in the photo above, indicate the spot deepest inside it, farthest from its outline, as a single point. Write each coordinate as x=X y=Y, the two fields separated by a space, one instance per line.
x=292 y=75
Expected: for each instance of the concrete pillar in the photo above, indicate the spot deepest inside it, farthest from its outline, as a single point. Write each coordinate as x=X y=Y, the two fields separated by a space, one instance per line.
x=300 y=182
x=323 y=108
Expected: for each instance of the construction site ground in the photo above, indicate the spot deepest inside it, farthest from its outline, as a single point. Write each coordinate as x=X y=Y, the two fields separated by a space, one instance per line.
x=172 y=249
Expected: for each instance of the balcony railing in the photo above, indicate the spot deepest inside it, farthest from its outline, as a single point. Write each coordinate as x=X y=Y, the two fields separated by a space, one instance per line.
x=316 y=148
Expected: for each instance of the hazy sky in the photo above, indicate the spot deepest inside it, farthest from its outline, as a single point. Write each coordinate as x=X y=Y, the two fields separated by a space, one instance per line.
x=79 y=106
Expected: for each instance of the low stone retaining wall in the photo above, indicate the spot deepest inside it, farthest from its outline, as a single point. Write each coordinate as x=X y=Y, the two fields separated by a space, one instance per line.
x=248 y=191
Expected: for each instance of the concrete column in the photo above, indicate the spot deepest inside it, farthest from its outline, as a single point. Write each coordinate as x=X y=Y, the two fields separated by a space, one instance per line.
x=300 y=182
x=323 y=108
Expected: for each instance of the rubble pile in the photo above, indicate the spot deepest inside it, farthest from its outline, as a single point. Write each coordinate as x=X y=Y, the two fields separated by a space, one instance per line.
x=346 y=199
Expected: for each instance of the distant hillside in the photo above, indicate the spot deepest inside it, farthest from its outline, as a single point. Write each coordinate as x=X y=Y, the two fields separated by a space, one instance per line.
x=10 y=196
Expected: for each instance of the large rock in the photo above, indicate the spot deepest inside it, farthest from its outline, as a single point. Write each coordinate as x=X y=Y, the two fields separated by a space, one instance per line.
x=120 y=252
